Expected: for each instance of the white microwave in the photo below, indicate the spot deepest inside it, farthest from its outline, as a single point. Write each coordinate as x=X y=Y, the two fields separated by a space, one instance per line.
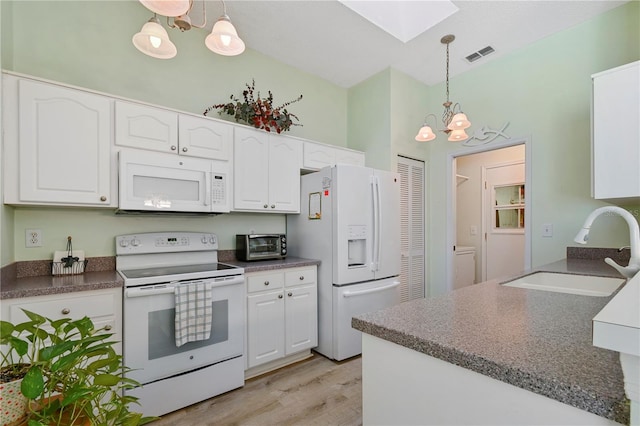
x=160 y=182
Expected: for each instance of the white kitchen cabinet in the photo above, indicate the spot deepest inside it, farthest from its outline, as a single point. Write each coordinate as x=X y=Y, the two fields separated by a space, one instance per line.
x=103 y=307
x=146 y=127
x=266 y=172
x=282 y=309
x=317 y=156
x=57 y=145
x=615 y=133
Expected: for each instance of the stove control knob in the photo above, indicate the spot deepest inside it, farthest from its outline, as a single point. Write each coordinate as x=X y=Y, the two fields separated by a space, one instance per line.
x=135 y=242
x=204 y=239
x=212 y=239
x=124 y=243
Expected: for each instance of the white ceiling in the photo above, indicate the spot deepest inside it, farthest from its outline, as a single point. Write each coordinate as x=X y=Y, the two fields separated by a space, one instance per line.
x=327 y=39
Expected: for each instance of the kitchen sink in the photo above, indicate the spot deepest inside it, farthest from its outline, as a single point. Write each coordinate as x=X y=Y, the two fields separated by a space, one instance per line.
x=585 y=285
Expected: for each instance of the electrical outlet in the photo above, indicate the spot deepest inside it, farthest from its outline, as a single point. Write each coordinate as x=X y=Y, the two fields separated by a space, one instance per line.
x=473 y=230
x=33 y=238
x=547 y=230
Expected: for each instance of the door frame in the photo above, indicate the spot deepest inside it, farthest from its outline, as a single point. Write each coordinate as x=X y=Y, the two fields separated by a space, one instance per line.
x=450 y=184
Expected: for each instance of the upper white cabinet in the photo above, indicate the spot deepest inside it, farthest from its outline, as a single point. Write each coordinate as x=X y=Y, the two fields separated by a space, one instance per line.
x=317 y=156
x=266 y=172
x=147 y=127
x=57 y=145
x=615 y=134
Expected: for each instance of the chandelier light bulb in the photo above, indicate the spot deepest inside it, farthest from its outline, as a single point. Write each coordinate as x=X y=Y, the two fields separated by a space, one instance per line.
x=458 y=135
x=459 y=122
x=155 y=41
x=425 y=134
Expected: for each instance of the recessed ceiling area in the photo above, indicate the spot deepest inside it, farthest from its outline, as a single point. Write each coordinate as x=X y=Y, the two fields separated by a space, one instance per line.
x=403 y=19
x=327 y=39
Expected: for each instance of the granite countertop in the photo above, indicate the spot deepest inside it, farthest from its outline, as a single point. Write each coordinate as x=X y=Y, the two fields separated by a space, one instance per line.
x=39 y=285
x=47 y=284
x=270 y=265
x=537 y=340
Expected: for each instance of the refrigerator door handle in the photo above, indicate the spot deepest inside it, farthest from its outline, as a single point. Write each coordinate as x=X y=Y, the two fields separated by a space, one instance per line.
x=376 y=224
x=371 y=290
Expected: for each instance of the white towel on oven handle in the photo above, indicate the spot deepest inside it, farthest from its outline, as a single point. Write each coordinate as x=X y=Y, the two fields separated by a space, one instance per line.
x=193 y=312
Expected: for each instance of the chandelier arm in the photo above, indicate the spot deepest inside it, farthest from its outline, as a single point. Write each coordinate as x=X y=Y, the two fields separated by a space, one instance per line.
x=204 y=14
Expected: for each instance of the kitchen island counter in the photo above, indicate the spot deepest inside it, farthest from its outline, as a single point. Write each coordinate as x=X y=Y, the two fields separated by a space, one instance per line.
x=536 y=340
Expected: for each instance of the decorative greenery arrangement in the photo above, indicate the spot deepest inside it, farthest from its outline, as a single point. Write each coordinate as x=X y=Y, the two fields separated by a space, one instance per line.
x=259 y=112
x=71 y=373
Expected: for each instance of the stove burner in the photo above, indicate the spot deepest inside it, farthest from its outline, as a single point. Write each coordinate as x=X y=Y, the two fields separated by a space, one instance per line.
x=174 y=270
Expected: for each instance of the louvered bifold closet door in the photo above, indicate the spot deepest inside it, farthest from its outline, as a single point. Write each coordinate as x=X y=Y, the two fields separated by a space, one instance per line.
x=412 y=242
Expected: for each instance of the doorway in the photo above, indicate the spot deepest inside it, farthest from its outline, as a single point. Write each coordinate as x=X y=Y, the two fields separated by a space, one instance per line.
x=474 y=219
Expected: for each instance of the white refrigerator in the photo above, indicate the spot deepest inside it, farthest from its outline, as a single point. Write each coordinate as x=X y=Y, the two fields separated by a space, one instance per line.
x=350 y=220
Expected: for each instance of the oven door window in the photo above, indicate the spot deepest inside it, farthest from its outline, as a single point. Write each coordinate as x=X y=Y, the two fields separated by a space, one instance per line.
x=162 y=336
x=149 y=335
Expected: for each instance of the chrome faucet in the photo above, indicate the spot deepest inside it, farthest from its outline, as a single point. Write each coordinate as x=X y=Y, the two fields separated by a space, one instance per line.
x=634 y=237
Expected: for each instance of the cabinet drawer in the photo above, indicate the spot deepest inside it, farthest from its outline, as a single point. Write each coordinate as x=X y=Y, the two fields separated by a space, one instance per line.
x=263 y=282
x=67 y=307
x=300 y=276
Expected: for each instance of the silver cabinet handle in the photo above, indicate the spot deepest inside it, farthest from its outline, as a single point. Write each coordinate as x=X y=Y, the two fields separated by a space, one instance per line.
x=266 y=283
x=173 y=147
x=185 y=149
x=65 y=311
x=103 y=198
x=273 y=206
x=280 y=296
x=301 y=277
x=108 y=327
x=289 y=294
x=265 y=206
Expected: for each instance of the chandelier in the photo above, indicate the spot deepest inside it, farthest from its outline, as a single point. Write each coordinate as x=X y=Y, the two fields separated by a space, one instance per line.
x=454 y=120
x=153 y=40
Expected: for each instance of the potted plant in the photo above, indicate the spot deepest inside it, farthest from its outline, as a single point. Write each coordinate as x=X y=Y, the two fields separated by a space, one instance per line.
x=74 y=374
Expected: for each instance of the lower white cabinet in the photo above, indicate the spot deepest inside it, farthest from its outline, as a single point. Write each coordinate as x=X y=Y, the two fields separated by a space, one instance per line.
x=104 y=307
x=282 y=313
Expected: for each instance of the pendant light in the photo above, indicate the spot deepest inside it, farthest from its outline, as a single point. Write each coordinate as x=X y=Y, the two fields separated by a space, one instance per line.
x=167 y=7
x=224 y=39
x=153 y=40
x=454 y=120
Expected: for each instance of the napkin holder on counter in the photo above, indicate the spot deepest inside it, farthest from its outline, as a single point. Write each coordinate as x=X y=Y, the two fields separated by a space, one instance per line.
x=65 y=263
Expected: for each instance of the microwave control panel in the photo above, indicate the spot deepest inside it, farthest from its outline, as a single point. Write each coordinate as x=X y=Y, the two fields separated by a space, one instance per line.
x=219 y=189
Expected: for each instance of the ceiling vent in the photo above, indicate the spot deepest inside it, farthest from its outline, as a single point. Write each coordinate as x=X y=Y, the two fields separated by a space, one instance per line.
x=480 y=54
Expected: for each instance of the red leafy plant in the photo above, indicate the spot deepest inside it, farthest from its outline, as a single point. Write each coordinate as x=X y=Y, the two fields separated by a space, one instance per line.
x=258 y=112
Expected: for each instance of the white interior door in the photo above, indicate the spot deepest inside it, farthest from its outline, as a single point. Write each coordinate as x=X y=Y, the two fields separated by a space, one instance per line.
x=412 y=253
x=504 y=224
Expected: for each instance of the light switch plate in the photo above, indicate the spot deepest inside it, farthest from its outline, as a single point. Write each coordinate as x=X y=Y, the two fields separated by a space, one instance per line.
x=547 y=230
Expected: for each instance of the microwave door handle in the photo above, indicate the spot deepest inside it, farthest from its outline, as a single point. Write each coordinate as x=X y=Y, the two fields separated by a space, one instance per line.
x=207 y=189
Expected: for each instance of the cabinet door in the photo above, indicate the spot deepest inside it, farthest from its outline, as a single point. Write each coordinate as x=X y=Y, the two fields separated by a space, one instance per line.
x=301 y=320
x=265 y=327
x=251 y=170
x=204 y=138
x=65 y=143
x=317 y=156
x=347 y=156
x=145 y=127
x=285 y=159
x=616 y=132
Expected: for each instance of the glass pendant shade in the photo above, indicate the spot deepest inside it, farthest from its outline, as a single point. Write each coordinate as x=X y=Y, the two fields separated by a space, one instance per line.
x=425 y=134
x=153 y=40
x=459 y=122
x=224 y=39
x=167 y=7
x=458 y=135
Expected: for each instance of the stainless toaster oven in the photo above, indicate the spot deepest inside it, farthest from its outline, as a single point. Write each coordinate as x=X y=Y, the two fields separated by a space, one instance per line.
x=260 y=246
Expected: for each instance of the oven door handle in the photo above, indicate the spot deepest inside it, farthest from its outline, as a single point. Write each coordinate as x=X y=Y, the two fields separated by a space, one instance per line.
x=150 y=291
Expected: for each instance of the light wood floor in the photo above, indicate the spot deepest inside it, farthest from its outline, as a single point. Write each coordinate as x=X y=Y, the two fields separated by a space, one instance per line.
x=316 y=391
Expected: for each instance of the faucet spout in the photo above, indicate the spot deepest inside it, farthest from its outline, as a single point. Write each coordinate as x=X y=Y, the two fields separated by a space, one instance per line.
x=634 y=238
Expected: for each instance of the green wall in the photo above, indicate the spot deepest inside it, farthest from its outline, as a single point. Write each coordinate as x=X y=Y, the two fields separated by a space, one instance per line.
x=88 y=44
x=544 y=92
